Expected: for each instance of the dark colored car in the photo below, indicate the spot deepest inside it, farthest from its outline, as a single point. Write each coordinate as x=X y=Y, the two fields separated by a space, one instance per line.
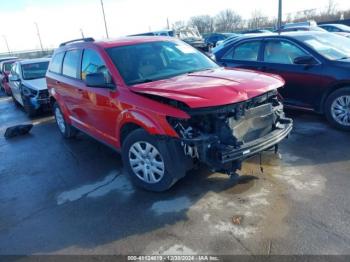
x=315 y=66
x=165 y=105
x=256 y=31
x=339 y=29
x=212 y=39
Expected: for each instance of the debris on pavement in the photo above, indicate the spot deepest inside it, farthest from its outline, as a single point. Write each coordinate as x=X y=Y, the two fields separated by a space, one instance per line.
x=237 y=220
x=17 y=130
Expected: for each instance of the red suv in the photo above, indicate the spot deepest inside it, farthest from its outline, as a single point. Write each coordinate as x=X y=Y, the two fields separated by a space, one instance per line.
x=164 y=105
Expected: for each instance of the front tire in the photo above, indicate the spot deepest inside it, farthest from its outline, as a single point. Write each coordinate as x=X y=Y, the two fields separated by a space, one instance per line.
x=17 y=104
x=147 y=160
x=337 y=109
x=65 y=129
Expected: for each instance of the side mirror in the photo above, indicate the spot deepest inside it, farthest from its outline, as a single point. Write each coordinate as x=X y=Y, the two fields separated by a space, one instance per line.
x=14 y=78
x=305 y=60
x=99 y=80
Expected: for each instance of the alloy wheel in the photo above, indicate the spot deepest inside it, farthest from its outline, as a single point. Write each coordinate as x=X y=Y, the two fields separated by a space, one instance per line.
x=340 y=110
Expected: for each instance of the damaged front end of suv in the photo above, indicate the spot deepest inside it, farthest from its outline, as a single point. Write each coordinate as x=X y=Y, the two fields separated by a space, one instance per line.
x=223 y=136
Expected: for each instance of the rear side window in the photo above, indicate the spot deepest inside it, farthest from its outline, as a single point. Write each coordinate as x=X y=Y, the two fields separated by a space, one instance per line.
x=71 y=63
x=248 y=51
x=56 y=63
x=92 y=63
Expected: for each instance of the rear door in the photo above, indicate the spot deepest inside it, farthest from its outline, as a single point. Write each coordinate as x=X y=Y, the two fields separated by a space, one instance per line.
x=69 y=86
x=245 y=54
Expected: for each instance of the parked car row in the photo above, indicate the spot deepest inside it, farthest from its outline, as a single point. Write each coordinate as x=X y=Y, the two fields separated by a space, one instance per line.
x=167 y=107
x=25 y=81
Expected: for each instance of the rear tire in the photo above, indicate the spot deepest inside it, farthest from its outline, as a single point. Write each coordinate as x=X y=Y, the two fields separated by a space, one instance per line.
x=148 y=162
x=65 y=129
x=337 y=108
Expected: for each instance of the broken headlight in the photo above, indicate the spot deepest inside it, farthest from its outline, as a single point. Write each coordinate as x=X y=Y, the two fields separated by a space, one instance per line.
x=183 y=127
x=26 y=91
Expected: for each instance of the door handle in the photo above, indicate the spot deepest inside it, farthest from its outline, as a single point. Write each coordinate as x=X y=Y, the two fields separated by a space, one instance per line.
x=80 y=90
x=57 y=82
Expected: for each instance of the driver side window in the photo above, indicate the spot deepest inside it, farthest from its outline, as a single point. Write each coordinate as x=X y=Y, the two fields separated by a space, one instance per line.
x=281 y=52
x=92 y=63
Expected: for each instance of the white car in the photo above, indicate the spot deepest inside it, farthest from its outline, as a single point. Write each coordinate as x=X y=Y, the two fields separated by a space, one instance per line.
x=28 y=84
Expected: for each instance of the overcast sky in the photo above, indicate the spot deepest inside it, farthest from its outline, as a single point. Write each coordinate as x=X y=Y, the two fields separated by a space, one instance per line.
x=61 y=20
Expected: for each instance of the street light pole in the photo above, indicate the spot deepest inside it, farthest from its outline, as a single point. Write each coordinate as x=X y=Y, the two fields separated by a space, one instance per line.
x=82 y=33
x=279 y=22
x=104 y=18
x=7 y=44
x=38 y=33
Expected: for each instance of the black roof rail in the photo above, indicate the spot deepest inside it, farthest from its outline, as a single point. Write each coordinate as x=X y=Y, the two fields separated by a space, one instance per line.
x=87 y=39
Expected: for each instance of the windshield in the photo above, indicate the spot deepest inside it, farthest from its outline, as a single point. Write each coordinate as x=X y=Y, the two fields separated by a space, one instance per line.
x=34 y=70
x=331 y=46
x=153 y=61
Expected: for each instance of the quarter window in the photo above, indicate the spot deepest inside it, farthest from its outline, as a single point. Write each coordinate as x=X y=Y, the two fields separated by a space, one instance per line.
x=56 y=63
x=92 y=63
x=71 y=63
x=248 y=51
x=281 y=52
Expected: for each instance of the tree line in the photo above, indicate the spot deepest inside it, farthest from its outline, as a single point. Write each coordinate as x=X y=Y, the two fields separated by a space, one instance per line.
x=230 y=21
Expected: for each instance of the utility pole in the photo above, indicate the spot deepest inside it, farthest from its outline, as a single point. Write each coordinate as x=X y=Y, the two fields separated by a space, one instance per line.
x=104 y=18
x=82 y=33
x=7 y=44
x=38 y=33
x=167 y=22
x=279 y=22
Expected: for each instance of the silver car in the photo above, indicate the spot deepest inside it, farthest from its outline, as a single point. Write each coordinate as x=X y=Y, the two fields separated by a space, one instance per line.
x=28 y=84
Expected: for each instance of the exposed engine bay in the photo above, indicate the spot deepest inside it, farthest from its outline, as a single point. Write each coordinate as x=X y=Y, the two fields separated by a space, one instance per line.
x=222 y=137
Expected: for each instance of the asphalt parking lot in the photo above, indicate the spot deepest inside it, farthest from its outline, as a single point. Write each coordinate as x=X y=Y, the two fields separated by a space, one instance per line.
x=72 y=197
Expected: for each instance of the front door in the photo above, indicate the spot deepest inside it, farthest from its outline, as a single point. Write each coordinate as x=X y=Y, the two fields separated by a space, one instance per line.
x=100 y=105
x=303 y=82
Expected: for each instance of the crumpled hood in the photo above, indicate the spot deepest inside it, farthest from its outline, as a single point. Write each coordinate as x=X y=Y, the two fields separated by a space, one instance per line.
x=215 y=87
x=36 y=84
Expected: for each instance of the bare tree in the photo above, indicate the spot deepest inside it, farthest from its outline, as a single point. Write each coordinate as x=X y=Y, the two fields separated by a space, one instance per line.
x=258 y=20
x=227 y=21
x=331 y=8
x=204 y=23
